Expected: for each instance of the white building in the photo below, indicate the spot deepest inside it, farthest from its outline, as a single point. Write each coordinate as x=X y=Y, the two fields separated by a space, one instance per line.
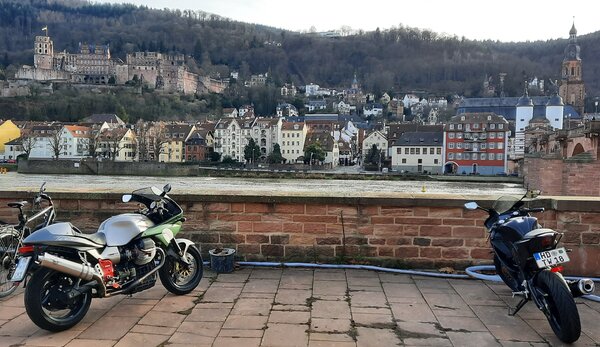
x=418 y=152
x=375 y=138
x=311 y=89
x=410 y=99
x=293 y=135
x=118 y=144
x=265 y=132
x=75 y=141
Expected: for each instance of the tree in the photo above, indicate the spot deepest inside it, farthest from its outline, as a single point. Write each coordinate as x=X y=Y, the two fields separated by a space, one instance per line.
x=28 y=143
x=55 y=144
x=275 y=157
x=314 y=152
x=251 y=151
x=373 y=156
x=214 y=156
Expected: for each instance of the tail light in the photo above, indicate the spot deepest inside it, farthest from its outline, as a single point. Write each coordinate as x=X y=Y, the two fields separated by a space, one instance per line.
x=557 y=269
x=26 y=249
x=547 y=241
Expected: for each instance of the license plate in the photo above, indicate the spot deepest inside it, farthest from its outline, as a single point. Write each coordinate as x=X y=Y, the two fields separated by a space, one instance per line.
x=21 y=269
x=552 y=257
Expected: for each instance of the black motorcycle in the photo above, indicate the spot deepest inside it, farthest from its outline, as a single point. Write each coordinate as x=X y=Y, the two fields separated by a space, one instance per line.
x=528 y=260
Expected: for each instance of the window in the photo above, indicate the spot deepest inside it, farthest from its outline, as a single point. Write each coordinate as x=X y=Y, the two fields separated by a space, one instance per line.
x=500 y=135
x=398 y=150
x=439 y=151
x=459 y=145
x=459 y=126
x=492 y=135
x=483 y=146
x=450 y=135
x=418 y=151
x=467 y=156
x=403 y=160
x=492 y=145
x=482 y=156
x=424 y=150
x=451 y=145
x=492 y=126
x=431 y=150
x=500 y=126
x=500 y=145
x=451 y=126
x=435 y=161
x=420 y=161
x=475 y=125
x=406 y=150
x=468 y=145
x=459 y=156
x=499 y=156
x=474 y=156
x=459 y=135
x=412 y=151
x=450 y=156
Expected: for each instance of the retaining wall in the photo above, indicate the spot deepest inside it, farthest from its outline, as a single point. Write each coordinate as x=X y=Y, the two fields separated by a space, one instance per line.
x=428 y=231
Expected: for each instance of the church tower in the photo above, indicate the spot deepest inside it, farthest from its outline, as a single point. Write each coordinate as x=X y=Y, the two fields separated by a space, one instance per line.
x=572 y=89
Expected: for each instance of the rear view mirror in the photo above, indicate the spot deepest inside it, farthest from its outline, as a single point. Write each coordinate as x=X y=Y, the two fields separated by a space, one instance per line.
x=126 y=198
x=471 y=205
x=167 y=188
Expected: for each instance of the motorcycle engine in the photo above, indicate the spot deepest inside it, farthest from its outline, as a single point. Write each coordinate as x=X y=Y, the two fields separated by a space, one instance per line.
x=140 y=252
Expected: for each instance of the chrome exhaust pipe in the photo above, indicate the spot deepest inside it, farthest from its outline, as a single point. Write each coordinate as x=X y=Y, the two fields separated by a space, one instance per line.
x=72 y=268
x=584 y=286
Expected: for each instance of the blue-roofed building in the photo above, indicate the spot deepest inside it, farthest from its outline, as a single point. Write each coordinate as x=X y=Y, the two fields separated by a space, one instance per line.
x=507 y=107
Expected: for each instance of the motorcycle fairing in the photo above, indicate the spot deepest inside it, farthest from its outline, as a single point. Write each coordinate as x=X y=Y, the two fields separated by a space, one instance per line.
x=65 y=235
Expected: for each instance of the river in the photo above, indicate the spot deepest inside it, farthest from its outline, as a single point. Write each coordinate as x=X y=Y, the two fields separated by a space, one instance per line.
x=13 y=181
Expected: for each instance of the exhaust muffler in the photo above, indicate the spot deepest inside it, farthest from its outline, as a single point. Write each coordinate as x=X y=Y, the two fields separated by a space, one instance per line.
x=584 y=286
x=72 y=268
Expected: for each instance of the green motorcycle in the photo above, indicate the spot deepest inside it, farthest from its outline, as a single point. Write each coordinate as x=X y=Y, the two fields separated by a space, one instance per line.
x=67 y=268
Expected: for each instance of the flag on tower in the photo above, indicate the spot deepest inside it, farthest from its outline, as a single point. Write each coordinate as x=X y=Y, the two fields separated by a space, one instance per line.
x=45 y=29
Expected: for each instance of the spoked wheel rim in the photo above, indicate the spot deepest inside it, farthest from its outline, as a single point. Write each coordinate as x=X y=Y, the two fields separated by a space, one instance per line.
x=54 y=304
x=182 y=273
x=8 y=249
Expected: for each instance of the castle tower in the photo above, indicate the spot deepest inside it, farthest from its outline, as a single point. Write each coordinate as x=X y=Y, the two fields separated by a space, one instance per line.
x=523 y=116
x=554 y=111
x=572 y=89
x=43 y=49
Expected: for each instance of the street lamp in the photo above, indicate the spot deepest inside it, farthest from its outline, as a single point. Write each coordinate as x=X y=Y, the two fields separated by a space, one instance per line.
x=596 y=103
x=252 y=156
x=310 y=162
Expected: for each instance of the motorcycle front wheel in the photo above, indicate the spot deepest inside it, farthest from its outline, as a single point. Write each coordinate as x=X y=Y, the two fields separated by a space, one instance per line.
x=560 y=309
x=47 y=304
x=180 y=278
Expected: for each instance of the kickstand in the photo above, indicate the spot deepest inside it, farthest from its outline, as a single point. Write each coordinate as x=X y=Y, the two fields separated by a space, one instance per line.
x=512 y=312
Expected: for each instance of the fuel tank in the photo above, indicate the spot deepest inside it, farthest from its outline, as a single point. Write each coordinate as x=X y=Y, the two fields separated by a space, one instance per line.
x=503 y=236
x=65 y=235
x=120 y=229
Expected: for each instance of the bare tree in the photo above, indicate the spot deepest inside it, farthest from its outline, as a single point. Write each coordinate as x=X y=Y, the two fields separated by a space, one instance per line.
x=28 y=143
x=55 y=144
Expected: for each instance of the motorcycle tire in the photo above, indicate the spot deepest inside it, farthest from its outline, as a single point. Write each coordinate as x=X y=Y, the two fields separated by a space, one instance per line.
x=46 y=311
x=8 y=247
x=561 y=312
x=179 y=280
x=506 y=276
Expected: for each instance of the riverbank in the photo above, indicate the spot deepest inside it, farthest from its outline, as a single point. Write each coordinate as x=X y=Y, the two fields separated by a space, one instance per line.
x=109 y=168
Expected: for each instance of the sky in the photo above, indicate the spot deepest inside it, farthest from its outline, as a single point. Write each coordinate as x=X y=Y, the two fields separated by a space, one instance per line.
x=505 y=20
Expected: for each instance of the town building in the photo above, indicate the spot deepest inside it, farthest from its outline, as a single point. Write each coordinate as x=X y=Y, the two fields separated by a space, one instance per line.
x=8 y=131
x=375 y=138
x=116 y=144
x=172 y=149
x=354 y=95
x=325 y=140
x=418 y=152
x=265 y=132
x=475 y=143
x=293 y=135
x=196 y=148
x=75 y=141
x=47 y=142
x=232 y=135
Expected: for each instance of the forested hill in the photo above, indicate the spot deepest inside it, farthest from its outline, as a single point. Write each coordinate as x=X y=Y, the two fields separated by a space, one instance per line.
x=396 y=60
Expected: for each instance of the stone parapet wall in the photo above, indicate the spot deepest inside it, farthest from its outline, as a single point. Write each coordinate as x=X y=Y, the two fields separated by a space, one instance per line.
x=424 y=232
x=562 y=177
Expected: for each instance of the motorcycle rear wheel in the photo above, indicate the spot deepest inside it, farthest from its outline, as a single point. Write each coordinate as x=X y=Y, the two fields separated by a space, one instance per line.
x=44 y=306
x=561 y=310
x=178 y=278
x=8 y=249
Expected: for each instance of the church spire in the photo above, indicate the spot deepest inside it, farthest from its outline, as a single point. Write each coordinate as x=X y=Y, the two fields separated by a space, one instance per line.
x=573 y=32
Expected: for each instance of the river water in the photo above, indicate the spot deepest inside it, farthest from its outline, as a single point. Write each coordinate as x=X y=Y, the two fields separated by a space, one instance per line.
x=13 y=181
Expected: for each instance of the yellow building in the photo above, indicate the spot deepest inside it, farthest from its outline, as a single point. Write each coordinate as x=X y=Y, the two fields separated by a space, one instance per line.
x=8 y=132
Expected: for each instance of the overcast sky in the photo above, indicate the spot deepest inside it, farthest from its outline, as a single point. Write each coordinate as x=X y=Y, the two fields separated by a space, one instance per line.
x=505 y=20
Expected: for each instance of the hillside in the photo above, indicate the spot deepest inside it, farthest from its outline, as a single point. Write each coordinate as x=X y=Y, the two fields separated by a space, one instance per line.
x=393 y=60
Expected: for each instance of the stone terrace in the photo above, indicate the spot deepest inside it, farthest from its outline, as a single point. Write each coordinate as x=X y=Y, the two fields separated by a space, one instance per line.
x=299 y=307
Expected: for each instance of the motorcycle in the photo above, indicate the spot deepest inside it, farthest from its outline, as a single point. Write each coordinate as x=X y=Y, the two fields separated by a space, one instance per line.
x=66 y=268
x=527 y=259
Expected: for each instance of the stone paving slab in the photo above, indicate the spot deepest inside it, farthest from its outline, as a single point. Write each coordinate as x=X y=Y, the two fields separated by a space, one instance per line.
x=308 y=308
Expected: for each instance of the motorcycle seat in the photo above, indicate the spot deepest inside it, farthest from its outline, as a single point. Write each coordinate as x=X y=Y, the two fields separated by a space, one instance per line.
x=96 y=237
x=17 y=204
x=537 y=232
